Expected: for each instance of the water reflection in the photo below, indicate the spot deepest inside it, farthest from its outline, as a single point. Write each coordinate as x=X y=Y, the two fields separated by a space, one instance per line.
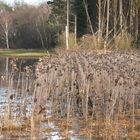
x=15 y=96
x=16 y=101
x=5 y=63
x=16 y=66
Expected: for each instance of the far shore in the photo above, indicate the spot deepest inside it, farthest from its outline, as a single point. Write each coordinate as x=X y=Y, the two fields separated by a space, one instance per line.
x=23 y=53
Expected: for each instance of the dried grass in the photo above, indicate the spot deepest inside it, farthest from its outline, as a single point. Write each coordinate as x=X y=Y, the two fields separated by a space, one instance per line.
x=62 y=40
x=92 y=86
x=123 y=40
x=91 y=42
x=80 y=93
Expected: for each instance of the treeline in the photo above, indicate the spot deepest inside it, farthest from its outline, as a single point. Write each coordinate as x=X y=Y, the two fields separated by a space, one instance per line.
x=106 y=23
x=26 y=26
x=92 y=23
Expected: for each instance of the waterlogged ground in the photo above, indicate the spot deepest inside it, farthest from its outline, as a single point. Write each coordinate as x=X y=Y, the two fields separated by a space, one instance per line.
x=71 y=96
x=16 y=104
x=15 y=128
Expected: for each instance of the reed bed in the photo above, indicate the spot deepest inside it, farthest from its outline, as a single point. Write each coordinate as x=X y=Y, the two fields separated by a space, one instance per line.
x=15 y=102
x=82 y=93
x=101 y=90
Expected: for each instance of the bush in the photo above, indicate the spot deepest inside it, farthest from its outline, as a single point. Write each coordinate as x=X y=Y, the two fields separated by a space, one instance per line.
x=62 y=40
x=123 y=40
x=90 y=42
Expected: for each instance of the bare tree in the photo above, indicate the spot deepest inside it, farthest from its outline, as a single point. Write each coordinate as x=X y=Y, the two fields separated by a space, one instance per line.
x=99 y=19
x=41 y=16
x=88 y=17
x=121 y=14
x=107 y=24
x=137 y=21
x=6 y=24
x=115 y=16
x=67 y=27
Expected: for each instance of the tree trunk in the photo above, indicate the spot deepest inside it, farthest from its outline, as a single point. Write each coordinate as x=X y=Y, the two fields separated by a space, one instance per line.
x=75 y=30
x=121 y=15
x=99 y=19
x=115 y=17
x=67 y=27
x=107 y=24
x=137 y=23
x=6 y=35
x=131 y=16
x=40 y=35
x=67 y=38
x=88 y=17
x=7 y=39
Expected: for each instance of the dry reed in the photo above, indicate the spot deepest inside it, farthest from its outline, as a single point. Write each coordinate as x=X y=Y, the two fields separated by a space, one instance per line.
x=76 y=93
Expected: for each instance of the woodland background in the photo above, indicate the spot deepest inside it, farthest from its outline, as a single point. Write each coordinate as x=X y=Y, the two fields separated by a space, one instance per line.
x=92 y=23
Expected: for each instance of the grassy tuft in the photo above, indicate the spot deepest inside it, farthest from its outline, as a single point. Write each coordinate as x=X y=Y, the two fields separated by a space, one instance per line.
x=62 y=42
x=123 y=41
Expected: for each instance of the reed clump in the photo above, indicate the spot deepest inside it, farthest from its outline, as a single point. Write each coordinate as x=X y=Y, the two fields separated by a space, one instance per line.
x=15 y=106
x=72 y=41
x=91 y=42
x=123 y=41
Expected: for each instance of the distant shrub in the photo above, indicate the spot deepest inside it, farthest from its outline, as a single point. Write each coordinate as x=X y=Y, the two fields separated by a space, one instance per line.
x=90 y=42
x=123 y=41
x=62 y=40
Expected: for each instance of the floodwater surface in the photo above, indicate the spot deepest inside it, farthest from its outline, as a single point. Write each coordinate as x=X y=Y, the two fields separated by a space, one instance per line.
x=16 y=99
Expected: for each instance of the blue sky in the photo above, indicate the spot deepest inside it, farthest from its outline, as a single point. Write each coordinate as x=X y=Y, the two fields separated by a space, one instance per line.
x=27 y=1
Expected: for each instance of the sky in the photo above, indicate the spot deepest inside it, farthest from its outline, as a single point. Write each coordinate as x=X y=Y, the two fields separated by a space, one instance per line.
x=35 y=2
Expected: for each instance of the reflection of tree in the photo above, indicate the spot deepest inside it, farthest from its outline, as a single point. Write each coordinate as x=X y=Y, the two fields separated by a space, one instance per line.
x=22 y=63
x=2 y=65
x=7 y=67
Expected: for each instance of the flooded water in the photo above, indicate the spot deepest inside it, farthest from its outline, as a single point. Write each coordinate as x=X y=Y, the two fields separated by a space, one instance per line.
x=16 y=101
x=5 y=63
x=13 y=85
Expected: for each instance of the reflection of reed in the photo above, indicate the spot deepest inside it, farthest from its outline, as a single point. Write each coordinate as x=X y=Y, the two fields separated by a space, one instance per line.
x=7 y=68
x=17 y=96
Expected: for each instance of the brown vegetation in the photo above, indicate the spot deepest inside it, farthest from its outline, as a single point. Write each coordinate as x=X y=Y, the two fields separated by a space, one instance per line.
x=77 y=93
x=101 y=90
